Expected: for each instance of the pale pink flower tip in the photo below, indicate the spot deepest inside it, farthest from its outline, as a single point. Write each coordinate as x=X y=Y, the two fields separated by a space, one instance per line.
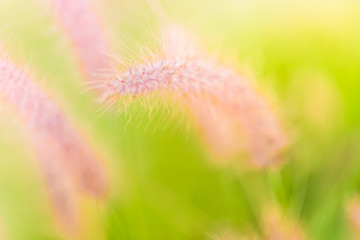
x=229 y=111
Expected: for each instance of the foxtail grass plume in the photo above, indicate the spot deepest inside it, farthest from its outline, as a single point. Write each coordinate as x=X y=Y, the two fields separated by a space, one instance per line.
x=229 y=111
x=59 y=146
x=87 y=36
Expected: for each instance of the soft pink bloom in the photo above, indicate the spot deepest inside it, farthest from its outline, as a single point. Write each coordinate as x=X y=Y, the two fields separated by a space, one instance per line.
x=85 y=33
x=227 y=107
x=60 y=148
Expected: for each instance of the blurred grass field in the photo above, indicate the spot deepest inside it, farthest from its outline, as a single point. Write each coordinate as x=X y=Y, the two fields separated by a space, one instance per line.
x=304 y=55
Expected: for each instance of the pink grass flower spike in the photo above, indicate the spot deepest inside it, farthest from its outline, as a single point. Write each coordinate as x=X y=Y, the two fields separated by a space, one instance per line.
x=60 y=148
x=229 y=111
x=86 y=35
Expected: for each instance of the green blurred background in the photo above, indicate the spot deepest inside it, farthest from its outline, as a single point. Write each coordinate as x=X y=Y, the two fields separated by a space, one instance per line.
x=305 y=55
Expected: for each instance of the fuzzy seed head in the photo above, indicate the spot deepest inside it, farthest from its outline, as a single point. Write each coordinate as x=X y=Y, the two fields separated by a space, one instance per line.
x=181 y=69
